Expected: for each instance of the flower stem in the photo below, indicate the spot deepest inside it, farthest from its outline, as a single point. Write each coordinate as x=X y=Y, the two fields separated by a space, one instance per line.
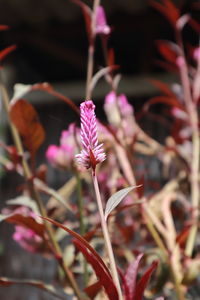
x=90 y=63
x=82 y=224
x=106 y=237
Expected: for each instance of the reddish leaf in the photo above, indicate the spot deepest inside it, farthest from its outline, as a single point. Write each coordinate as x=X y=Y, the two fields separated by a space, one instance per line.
x=182 y=237
x=87 y=13
x=104 y=279
x=49 y=89
x=111 y=57
x=195 y=25
x=125 y=286
x=25 y=221
x=4 y=27
x=168 y=50
x=165 y=100
x=166 y=65
x=163 y=87
x=142 y=283
x=168 y=9
x=6 y=51
x=83 y=242
x=38 y=284
x=93 y=289
x=25 y=118
x=131 y=275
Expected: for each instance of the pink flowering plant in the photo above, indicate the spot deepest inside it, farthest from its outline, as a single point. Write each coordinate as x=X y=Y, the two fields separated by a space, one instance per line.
x=138 y=237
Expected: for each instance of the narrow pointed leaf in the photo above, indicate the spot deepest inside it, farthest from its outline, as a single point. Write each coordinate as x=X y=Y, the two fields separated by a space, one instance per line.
x=116 y=198
x=35 y=283
x=25 y=221
x=142 y=283
x=82 y=240
x=93 y=289
x=24 y=201
x=126 y=290
x=103 y=277
x=6 y=51
x=131 y=275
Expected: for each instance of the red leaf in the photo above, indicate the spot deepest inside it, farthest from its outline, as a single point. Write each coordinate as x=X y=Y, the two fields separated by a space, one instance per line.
x=38 y=284
x=4 y=27
x=25 y=221
x=163 y=87
x=6 y=51
x=93 y=289
x=111 y=57
x=25 y=118
x=165 y=100
x=87 y=13
x=182 y=237
x=83 y=242
x=168 y=50
x=124 y=285
x=104 y=279
x=49 y=89
x=142 y=283
x=131 y=275
x=168 y=9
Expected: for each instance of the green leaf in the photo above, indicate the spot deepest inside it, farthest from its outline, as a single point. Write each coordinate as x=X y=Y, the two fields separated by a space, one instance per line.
x=116 y=198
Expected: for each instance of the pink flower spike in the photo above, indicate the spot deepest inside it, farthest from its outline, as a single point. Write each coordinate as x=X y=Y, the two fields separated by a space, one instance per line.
x=92 y=152
x=101 y=23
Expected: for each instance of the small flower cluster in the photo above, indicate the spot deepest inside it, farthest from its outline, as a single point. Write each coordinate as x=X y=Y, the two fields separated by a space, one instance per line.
x=62 y=156
x=92 y=152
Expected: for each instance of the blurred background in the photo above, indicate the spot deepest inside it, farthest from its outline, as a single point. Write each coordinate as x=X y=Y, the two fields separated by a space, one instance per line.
x=52 y=47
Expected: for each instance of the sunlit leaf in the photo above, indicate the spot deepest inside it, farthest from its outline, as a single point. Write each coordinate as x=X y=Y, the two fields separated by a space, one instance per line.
x=35 y=283
x=116 y=198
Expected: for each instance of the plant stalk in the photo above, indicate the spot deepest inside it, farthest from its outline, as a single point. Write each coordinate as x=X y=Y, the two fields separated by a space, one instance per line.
x=82 y=224
x=36 y=196
x=91 y=48
x=106 y=237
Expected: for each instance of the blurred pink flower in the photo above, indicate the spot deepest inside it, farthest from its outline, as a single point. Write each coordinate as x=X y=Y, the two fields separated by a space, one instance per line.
x=101 y=23
x=125 y=107
x=24 y=236
x=92 y=153
x=27 y=238
x=120 y=113
x=196 y=53
x=63 y=155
